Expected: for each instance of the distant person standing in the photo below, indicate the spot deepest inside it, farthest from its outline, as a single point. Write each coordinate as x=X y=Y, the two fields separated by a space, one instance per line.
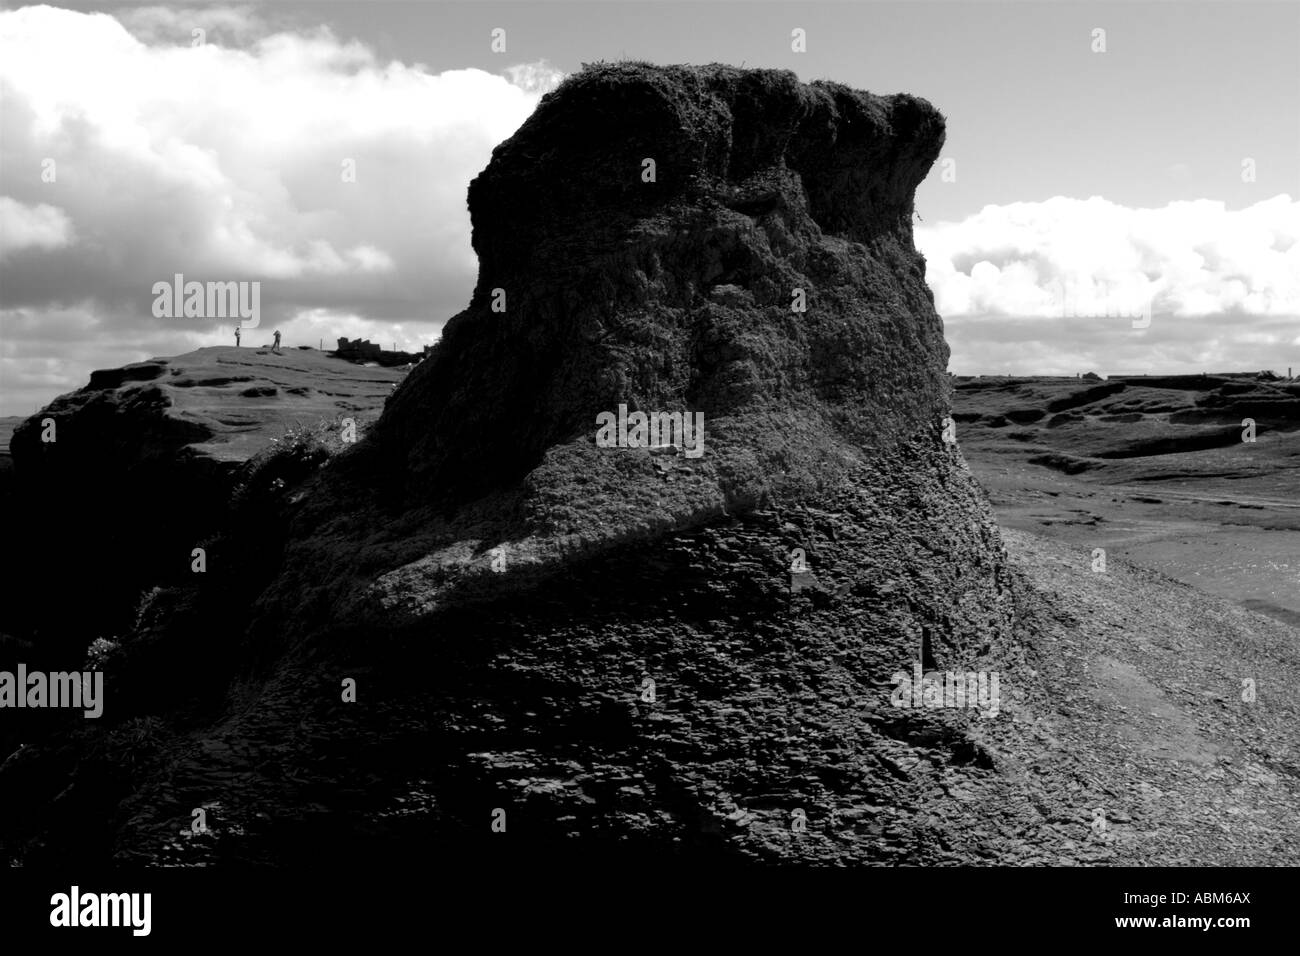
x=236 y=336
x=275 y=346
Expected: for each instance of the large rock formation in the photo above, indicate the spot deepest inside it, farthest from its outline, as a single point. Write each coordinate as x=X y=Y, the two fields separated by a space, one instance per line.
x=676 y=295
x=623 y=646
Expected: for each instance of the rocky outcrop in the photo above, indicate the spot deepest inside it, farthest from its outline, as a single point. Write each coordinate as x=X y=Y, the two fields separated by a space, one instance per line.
x=685 y=649
x=135 y=469
x=677 y=293
x=672 y=295
x=364 y=351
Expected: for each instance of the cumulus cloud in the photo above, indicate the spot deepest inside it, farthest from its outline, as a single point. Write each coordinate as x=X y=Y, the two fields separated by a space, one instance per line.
x=298 y=160
x=1189 y=258
x=39 y=226
x=1065 y=284
x=539 y=77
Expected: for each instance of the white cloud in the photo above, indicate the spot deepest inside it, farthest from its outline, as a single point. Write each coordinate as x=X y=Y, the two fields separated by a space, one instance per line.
x=299 y=160
x=1186 y=259
x=176 y=25
x=1056 y=287
x=39 y=226
x=539 y=77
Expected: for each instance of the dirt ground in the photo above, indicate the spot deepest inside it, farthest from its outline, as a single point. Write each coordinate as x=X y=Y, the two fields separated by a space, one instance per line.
x=1182 y=739
x=1246 y=550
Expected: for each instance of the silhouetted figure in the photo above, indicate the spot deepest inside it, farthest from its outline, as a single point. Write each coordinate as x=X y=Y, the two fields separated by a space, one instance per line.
x=236 y=336
x=275 y=346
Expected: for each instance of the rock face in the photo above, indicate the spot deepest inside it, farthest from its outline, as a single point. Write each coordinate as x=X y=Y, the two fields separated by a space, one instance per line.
x=677 y=294
x=625 y=647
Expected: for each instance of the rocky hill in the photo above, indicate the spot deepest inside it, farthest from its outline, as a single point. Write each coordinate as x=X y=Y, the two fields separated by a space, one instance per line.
x=141 y=468
x=482 y=628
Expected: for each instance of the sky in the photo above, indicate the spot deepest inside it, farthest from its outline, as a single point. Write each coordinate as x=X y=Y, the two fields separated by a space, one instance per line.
x=1119 y=191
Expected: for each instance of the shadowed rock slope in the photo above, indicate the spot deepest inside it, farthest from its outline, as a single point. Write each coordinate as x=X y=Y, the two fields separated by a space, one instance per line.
x=611 y=649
